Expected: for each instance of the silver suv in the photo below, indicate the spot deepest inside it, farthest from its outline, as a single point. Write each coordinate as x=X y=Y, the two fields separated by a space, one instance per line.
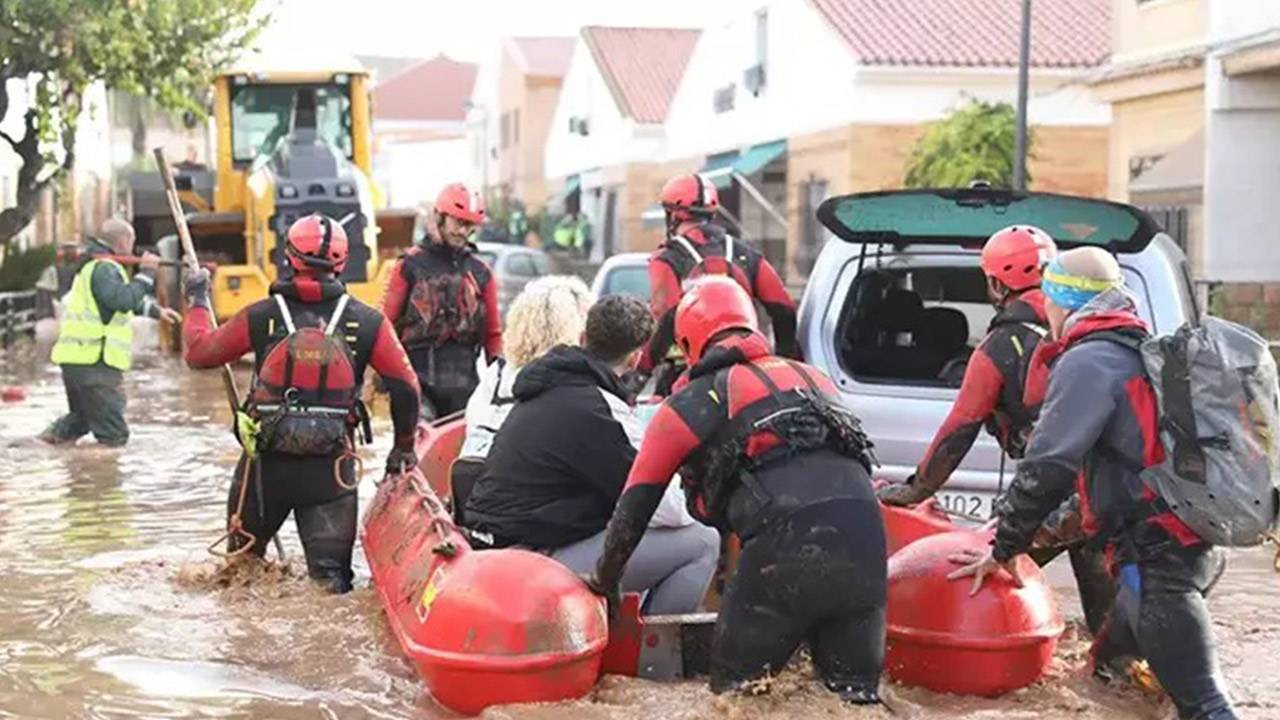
x=896 y=302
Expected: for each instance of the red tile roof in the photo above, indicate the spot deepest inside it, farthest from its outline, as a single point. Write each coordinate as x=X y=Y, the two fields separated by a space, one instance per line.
x=544 y=56
x=433 y=90
x=983 y=33
x=642 y=66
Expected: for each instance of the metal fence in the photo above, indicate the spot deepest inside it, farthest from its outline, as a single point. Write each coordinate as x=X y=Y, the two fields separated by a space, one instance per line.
x=17 y=316
x=1174 y=219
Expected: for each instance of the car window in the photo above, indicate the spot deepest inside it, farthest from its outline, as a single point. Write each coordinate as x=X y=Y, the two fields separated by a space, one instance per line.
x=627 y=280
x=915 y=326
x=488 y=258
x=521 y=265
x=541 y=265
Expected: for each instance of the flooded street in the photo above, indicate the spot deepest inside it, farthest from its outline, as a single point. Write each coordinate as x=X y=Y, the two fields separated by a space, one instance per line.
x=110 y=606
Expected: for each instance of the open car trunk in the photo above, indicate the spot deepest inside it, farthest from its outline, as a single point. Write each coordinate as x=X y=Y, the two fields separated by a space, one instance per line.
x=968 y=216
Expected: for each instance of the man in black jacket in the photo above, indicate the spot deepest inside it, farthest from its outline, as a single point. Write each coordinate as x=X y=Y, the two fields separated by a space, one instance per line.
x=558 y=464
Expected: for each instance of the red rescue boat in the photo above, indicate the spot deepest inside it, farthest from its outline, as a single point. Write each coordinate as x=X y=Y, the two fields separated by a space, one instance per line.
x=940 y=638
x=482 y=627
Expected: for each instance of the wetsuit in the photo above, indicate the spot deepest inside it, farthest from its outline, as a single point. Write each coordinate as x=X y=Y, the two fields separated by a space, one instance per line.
x=992 y=395
x=765 y=453
x=325 y=512
x=1098 y=428
x=444 y=304
x=672 y=264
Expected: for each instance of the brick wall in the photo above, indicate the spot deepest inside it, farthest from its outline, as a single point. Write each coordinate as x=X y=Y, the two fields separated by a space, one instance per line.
x=1256 y=305
x=861 y=158
x=641 y=188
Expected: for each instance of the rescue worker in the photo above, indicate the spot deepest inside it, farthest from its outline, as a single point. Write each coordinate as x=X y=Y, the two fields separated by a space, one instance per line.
x=1097 y=428
x=991 y=395
x=695 y=245
x=95 y=338
x=443 y=301
x=311 y=343
x=765 y=451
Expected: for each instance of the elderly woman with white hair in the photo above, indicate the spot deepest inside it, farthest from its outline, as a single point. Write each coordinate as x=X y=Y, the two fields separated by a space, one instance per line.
x=550 y=311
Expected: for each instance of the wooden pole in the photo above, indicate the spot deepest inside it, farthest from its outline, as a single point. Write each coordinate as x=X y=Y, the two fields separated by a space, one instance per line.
x=193 y=263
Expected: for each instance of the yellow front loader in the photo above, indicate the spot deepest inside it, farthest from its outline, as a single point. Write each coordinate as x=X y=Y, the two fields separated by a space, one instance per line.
x=291 y=143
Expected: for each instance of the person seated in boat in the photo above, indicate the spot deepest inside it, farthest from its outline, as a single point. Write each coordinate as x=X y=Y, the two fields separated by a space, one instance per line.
x=766 y=451
x=559 y=462
x=549 y=311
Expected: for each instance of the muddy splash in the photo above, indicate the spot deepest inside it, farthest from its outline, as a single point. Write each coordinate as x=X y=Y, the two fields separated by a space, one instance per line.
x=111 y=608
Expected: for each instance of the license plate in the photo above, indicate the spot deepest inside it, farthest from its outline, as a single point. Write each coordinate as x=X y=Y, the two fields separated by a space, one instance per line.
x=966 y=505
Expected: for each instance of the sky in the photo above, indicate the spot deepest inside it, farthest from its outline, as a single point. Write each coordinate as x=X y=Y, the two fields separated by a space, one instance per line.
x=467 y=29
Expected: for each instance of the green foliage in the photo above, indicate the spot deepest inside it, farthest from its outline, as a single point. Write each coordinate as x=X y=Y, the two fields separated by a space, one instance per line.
x=974 y=142
x=20 y=269
x=165 y=50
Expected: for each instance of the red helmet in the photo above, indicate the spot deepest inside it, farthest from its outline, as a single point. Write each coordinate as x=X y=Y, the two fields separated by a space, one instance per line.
x=456 y=200
x=711 y=305
x=686 y=197
x=316 y=243
x=1016 y=254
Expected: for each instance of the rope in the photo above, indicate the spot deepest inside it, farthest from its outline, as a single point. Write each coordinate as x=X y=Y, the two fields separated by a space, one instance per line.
x=1275 y=538
x=441 y=525
x=357 y=469
x=235 y=524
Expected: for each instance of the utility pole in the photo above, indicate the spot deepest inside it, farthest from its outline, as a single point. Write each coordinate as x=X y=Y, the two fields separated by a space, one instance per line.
x=1020 y=118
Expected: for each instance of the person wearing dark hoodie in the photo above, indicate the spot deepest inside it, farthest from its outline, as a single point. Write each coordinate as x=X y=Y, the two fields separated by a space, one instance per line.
x=993 y=395
x=311 y=343
x=1098 y=428
x=559 y=462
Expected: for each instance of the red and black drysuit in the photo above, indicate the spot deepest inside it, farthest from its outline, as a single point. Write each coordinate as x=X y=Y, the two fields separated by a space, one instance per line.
x=325 y=511
x=1097 y=430
x=443 y=301
x=765 y=451
x=672 y=264
x=992 y=396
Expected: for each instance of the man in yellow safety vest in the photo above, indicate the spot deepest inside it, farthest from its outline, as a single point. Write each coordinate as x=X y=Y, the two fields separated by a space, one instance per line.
x=95 y=341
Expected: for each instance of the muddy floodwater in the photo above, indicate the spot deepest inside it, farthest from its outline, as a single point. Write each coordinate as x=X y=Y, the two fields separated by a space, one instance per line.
x=110 y=607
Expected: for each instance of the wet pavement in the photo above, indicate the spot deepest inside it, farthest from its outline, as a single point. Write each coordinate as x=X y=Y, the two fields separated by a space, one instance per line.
x=110 y=607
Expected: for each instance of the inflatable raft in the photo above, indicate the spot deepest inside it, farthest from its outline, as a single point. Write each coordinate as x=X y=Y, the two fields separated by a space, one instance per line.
x=487 y=627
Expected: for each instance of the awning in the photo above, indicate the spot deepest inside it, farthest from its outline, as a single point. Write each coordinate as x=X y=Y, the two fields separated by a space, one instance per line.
x=719 y=168
x=755 y=159
x=653 y=215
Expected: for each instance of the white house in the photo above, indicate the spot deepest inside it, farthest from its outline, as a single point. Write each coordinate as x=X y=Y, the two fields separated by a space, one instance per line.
x=420 y=131
x=795 y=100
x=608 y=125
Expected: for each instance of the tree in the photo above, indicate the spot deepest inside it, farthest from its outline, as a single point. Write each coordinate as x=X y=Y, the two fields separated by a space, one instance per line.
x=166 y=50
x=974 y=142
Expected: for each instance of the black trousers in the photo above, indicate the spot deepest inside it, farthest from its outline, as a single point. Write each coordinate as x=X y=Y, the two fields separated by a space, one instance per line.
x=326 y=515
x=1160 y=615
x=817 y=575
x=1093 y=580
x=95 y=404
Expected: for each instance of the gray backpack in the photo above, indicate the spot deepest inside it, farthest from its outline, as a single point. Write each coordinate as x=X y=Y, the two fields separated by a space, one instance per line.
x=1215 y=385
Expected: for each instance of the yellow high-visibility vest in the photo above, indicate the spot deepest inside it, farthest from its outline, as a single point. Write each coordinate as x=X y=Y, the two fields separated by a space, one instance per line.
x=83 y=339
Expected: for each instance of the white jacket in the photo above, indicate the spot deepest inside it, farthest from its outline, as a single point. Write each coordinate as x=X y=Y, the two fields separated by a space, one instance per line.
x=491 y=402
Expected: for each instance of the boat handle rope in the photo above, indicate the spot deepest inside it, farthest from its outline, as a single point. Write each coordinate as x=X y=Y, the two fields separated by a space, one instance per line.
x=1275 y=538
x=440 y=524
x=235 y=523
x=357 y=468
